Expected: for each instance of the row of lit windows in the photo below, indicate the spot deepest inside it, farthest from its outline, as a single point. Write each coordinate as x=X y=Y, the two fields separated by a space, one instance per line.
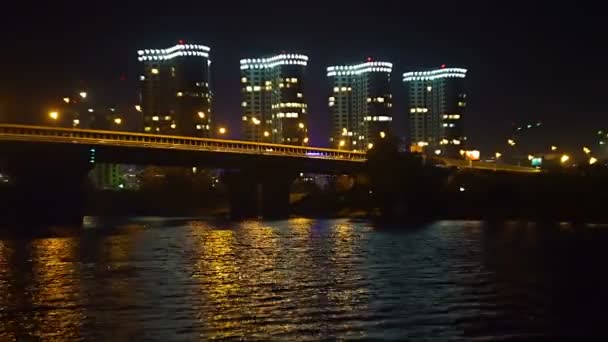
x=419 y=110
x=452 y=116
x=342 y=89
x=289 y=105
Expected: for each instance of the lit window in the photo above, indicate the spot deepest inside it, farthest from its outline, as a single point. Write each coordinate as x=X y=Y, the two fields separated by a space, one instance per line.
x=243 y=79
x=91 y=110
x=382 y=135
x=343 y=89
x=294 y=80
x=201 y=115
x=462 y=104
x=445 y=125
x=245 y=118
x=331 y=104
x=429 y=88
x=76 y=122
x=369 y=99
x=167 y=118
x=331 y=98
x=180 y=94
x=301 y=125
x=268 y=83
x=142 y=78
x=243 y=104
x=154 y=71
x=199 y=127
x=281 y=85
x=155 y=118
x=300 y=95
x=336 y=89
x=412 y=110
x=249 y=88
x=380 y=99
x=173 y=126
x=147 y=129
x=268 y=88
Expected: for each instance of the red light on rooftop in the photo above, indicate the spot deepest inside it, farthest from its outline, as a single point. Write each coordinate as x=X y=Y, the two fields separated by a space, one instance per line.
x=442 y=66
x=181 y=42
x=369 y=59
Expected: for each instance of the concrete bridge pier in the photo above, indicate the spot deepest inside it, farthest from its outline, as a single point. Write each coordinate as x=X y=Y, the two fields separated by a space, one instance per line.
x=46 y=188
x=262 y=191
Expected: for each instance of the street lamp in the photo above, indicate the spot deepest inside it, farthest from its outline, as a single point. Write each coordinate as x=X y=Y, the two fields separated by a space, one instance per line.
x=118 y=121
x=586 y=150
x=564 y=158
x=382 y=135
x=54 y=115
x=511 y=142
x=592 y=160
x=553 y=148
x=342 y=143
x=83 y=94
x=222 y=130
x=266 y=134
x=497 y=155
x=66 y=99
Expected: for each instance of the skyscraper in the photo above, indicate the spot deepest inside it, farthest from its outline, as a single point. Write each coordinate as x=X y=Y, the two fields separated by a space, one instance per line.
x=273 y=102
x=436 y=104
x=175 y=91
x=360 y=104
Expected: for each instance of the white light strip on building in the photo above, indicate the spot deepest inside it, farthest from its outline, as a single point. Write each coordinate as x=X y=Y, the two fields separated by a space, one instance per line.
x=377 y=118
x=174 y=51
x=282 y=59
x=357 y=69
x=434 y=74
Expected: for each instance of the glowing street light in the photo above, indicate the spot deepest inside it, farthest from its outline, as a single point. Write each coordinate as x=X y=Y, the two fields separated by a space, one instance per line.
x=511 y=142
x=497 y=155
x=586 y=150
x=382 y=135
x=138 y=108
x=83 y=94
x=553 y=148
x=564 y=158
x=301 y=125
x=342 y=143
x=66 y=99
x=592 y=160
x=54 y=115
x=266 y=134
x=222 y=130
x=118 y=121
x=201 y=115
x=370 y=146
x=530 y=157
x=306 y=140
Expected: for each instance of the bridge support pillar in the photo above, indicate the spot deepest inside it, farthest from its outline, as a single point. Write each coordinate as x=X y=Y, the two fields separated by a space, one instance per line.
x=260 y=192
x=45 y=189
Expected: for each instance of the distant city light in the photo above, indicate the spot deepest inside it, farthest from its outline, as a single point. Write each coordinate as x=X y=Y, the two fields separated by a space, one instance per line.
x=592 y=160
x=382 y=135
x=83 y=94
x=437 y=152
x=222 y=130
x=553 y=148
x=90 y=110
x=154 y=71
x=586 y=150
x=201 y=115
x=138 y=108
x=66 y=99
x=306 y=140
x=564 y=158
x=370 y=146
x=462 y=189
x=118 y=121
x=301 y=125
x=497 y=155
x=54 y=115
x=266 y=134
x=342 y=143
x=530 y=157
x=511 y=142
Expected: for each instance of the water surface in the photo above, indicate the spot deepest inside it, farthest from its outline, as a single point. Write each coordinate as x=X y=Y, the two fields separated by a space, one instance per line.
x=303 y=279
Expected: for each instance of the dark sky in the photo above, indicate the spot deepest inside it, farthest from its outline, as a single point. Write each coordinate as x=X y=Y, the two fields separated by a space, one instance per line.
x=527 y=62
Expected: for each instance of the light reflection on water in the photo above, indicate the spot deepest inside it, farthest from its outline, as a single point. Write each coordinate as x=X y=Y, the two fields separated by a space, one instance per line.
x=302 y=279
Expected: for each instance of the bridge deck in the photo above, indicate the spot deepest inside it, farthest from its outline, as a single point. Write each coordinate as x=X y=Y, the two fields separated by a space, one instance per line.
x=41 y=134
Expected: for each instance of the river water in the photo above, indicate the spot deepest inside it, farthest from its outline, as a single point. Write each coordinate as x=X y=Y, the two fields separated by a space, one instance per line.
x=303 y=279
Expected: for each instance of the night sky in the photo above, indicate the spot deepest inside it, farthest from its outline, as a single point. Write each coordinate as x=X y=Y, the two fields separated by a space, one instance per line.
x=533 y=62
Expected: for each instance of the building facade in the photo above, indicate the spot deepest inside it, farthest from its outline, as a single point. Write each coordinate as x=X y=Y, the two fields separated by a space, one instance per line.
x=436 y=104
x=360 y=104
x=176 y=95
x=272 y=99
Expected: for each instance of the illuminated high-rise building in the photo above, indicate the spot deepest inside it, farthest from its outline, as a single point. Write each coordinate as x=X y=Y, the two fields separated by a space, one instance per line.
x=273 y=103
x=360 y=104
x=436 y=103
x=175 y=91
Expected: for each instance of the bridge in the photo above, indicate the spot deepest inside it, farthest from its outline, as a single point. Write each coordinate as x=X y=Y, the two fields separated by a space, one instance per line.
x=50 y=161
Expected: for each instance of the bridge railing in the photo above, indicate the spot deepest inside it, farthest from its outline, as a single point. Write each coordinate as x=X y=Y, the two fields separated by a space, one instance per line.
x=99 y=137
